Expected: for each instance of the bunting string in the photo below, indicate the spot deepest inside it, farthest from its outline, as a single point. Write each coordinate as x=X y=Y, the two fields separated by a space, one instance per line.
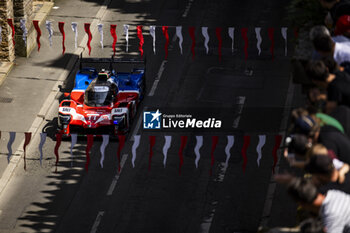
x=41 y=144
x=244 y=151
x=24 y=30
x=88 y=32
x=114 y=35
x=199 y=144
x=152 y=141
x=179 y=35
x=134 y=147
x=214 y=140
x=271 y=36
x=182 y=147
x=105 y=141
x=38 y=32
x=126 y=32
x=74 y=26
x=259 y=39
x=121 y=144
x=244 y=32
x=191 y=31
x=261 y=143
x=230 y=142
x=231 y=33
x=218 y=35
x=206 y=38
x=27 y=138
x=90 y=141
x=9 y=145
x=140 y=36
x=284 y=35
x=61 y=28
x=166 y=147
x=57 y=146
x=166 y=35
x=10 y=23
x=74 y=138
x=152 y=32
x=48 y=26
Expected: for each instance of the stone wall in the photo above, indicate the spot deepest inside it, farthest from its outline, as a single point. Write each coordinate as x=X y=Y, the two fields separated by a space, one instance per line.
x=23 y=9
x=7 y=51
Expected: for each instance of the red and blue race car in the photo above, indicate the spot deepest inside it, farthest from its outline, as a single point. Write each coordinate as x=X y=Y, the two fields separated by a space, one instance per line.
x=104 y=101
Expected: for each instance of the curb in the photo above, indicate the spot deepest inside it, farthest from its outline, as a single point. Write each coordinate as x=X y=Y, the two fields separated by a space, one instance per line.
x=5 y=69
x=9 y=171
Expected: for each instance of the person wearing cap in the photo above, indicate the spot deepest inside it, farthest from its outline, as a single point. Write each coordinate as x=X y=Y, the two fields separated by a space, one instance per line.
x=336 y=9
x=333 y=208
x=327 y=135
x=337 y=84
x=342 y=29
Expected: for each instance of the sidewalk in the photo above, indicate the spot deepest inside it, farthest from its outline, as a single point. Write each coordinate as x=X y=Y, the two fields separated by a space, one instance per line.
x=31 y=87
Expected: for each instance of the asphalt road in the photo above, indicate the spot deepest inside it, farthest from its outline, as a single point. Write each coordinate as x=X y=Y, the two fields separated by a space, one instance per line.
x=159 y=199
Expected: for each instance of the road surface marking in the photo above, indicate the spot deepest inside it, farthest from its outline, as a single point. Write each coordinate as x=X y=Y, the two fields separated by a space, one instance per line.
x=116 y=178
x=97 y=221
x=156 y=81
x=207 y=220
x=187 y=9
x=240 y=102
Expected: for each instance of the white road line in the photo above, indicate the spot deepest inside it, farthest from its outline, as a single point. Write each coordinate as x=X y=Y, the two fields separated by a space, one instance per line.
x=240 y=102
x=206 y=222
x=156 y=81
x=138 y=124
x=97 y=221
x=272 y=186
x=116 y=178
x=187 y=9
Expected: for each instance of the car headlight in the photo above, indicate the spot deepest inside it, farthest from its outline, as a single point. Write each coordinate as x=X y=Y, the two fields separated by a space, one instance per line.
x=118 y=120
x=64 y=119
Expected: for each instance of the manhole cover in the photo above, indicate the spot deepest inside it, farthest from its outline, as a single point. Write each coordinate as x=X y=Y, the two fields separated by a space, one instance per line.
x=5 y=100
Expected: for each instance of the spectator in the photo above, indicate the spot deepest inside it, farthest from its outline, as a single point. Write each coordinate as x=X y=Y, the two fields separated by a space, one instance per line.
x=325 y=176
x=336 y=9
x=342 y=29
x=334 y=207
x=337 y=84
x=325 y=46
x=327 y=135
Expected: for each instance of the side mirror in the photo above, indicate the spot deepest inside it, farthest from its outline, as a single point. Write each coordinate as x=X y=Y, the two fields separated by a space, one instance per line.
x=66 y=94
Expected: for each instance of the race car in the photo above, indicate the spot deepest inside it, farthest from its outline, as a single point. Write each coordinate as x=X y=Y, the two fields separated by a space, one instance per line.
x=102 y=101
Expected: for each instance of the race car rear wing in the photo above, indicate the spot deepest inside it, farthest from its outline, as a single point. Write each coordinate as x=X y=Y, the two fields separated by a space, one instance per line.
x=111 y=61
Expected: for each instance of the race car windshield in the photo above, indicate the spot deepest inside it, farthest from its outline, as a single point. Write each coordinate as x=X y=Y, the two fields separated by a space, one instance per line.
x=97 y=96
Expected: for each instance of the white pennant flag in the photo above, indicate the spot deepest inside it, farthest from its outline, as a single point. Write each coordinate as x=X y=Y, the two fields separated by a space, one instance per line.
x=206 y=36
x=74 y=138
x=105 y=142
x=230 y=142
x=24 y=30
x=134 y=147
x=284 y=34
x=258 y=37
x=9 y=145
x=0 y=34
x=231 y=33
x=152 y=31
x=199 y=144
x=262 y=140
x=179 y=35
x=166 y=148
x=75 y=30
x=100 y=30
x=41 y=144
x=49 y=29
x=126 y=32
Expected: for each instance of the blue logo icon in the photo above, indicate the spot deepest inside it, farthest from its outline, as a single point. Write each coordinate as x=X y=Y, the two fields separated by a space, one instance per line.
x=151 y=120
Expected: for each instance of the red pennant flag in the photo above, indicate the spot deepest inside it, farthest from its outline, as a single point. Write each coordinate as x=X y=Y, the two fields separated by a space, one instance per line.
x=182 y=147
x=120 y=147
x=152 y=141
x=87 y=30
x=191 y=30
x=165 y=32
x=90 y=141
x=10 y=22
x=114 y=35
x=271 y=36
x=27 y=137
x=244 y=32
x=38 y=32
x=140 y=36
x=214 y=142
x=296 y=33
x=244 y=151
x=218 y=35
x=58 y=144
x=278 y=140
x=61 y=28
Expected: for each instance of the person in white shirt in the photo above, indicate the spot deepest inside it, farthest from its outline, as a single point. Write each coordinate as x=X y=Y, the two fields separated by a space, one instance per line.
x=325 y=45
x=333 y=208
